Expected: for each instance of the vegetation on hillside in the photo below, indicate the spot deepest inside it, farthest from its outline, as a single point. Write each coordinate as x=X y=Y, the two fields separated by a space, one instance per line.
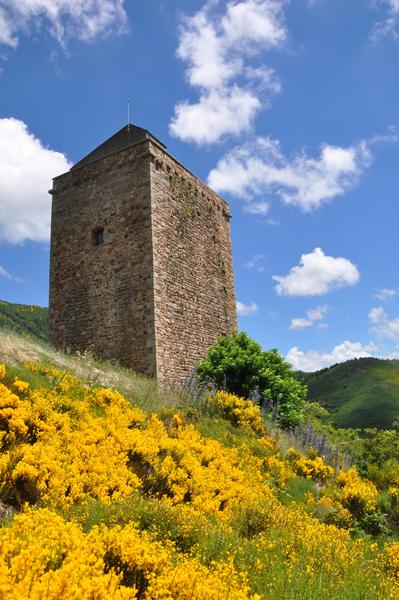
x=359 y=393
x=162 y=494
x=24 y=319
x=238 y=365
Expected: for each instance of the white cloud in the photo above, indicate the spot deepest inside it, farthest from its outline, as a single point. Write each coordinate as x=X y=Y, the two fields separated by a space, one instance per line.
x=382 y=326
x=7 y=275
x=7 y=36
x=313 y=316
x=377 y=315
x=64 y=18
x=387 y=329
x=251 y=21
x=247 y=310
x=318 y=314
x=260 y=167
x=214 y=115
x=313 y=360
x=216 y=43
x=256 y=262
x=385 y=294
x=389 y=24
x=391 y=356
x=260 y=209
x=317 y=274
x=300 y=323
x=27 y=169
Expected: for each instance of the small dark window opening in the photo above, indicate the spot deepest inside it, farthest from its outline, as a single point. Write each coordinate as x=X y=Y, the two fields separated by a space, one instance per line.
x=97 y=236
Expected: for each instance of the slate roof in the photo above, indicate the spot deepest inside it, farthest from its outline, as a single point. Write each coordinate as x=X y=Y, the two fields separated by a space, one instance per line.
x=125 y=137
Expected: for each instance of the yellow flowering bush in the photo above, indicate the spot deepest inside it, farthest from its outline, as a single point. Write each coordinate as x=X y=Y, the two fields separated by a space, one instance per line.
x=183 y=466
x=241 y=412
x=268 y=444
x=63 y=381
x=393 y=491
x=13 y=418
x=311 y=468
x=42 y=556
x=2 y=371
x=135 y=507
x=177 y=420
x=329 y=510
x=59 y=451
x=391 y=560
x=278 y=470
x=190 y=580
x=20 y=386
x=357 y=494
x=62 y=450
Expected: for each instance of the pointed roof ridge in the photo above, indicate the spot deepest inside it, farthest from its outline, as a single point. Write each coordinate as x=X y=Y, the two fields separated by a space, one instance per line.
x=127 y=136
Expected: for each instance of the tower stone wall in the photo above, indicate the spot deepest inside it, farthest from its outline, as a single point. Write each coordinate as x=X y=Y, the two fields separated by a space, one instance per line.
x=193 y=273
x=157 y=288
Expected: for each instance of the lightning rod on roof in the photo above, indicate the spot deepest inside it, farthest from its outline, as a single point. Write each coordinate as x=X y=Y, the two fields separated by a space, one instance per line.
x=128 y=114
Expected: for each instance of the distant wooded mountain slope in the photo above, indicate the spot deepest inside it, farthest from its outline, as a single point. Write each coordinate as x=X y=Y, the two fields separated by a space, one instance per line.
x=359 y=393
x=24 y=319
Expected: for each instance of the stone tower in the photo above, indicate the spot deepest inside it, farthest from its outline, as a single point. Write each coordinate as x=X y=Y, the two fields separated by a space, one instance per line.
x=141 y=267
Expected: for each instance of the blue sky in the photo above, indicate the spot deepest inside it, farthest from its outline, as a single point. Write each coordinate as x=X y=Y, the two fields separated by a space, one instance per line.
x=289 y=109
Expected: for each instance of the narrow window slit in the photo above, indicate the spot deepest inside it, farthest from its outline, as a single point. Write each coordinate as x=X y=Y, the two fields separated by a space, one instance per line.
x=97 y=236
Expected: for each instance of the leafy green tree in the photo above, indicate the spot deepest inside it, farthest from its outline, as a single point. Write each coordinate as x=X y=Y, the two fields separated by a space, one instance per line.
x=238 y=365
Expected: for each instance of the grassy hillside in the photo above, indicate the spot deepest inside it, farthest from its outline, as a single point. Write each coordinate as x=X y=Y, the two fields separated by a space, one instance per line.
x=24 y=319
x=359 y=393
x=156 y=494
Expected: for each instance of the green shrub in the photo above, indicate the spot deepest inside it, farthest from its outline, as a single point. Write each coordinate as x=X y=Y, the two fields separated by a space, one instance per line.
x=375 y=523
x=384 y=476
x=238 y=365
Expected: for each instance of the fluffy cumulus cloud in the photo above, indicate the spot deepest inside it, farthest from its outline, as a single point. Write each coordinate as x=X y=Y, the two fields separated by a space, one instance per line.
x=382 y=325
x=216 y=44
x=64 y=18
x=247 y=310
x=317 y=274
x=260 y=168
x=315 y=316
x=313 y=360
x=376 y=315
x=214 y=115
x=27 y=169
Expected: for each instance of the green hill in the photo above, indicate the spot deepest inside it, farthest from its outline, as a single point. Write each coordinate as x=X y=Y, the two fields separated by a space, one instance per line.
x=359 y=393
x=25 y=319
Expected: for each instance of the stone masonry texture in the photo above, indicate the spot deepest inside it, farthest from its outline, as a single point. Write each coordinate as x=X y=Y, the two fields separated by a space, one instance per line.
x=159 y=289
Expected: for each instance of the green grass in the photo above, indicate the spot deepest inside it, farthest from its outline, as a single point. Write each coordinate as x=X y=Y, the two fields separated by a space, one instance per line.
x=359 y=393
x=24 y=319
x=16 y=350
x=296 y=489
x=212 y=542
